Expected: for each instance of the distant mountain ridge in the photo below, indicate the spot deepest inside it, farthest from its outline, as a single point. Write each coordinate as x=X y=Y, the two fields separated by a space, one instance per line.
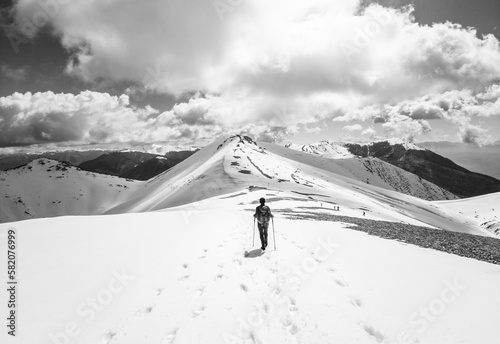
x=418 y=160
x=237 y=165
x=45 y=187
x=372 y=171
x=73 y=157
x=127 y=164
x=327 y=149
x=430 y=166
x=341 y=150
x=159 y=164
x=116 y=163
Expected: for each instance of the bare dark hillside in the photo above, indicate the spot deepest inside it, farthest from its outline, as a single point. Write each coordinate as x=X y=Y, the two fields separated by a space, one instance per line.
x=430 y=166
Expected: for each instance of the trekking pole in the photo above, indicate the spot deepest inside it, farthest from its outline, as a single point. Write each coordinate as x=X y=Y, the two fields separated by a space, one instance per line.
x=274 y=234
x=253 y=240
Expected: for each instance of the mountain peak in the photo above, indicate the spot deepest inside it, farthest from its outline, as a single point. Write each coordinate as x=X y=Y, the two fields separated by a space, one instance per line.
x=238 y=139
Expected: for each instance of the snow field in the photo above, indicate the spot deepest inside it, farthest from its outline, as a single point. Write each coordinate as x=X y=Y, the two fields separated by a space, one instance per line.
x=184 y=270
x=483 y=210
x=186 y=280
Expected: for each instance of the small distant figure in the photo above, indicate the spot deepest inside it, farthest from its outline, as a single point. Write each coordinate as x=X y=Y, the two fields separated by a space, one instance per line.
x=263 y=215
x=363 y=213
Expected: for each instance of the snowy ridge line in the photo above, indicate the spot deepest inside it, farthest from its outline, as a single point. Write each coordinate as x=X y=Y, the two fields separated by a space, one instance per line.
x=328 y=149
x=258 y=168
x=221 y=169
x=340 y=150
x=461 y=244
x=47 y=161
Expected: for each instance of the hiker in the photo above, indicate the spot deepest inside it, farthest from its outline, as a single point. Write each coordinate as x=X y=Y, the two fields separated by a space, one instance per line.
x=263 y=215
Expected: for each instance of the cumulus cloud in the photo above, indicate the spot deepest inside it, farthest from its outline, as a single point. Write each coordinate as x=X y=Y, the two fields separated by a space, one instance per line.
x=354 y=127
x=312 y=130
x=369 y=131
x=492 y=93
x=284 y=47
x=403 y=126
x=279 y=63
x=87 y=117
x=472 y=134
x=265 y=133
x=93 y=117
x=410 y=118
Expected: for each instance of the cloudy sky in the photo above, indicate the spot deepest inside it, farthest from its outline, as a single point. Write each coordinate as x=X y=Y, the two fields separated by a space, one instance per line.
x=187 y=71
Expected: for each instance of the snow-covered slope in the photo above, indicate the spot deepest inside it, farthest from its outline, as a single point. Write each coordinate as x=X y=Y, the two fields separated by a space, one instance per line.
x=485 y=210
x=180 y=276
x=235 y=165
x=372 y=171
x=45 y=188
x=417 y=160
x=340 y=150
x=190 y=273
x=369 y=170
x=327 y=149
x=239 y=163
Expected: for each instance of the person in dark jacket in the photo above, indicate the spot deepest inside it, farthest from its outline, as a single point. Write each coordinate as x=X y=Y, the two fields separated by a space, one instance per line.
x=263 y=215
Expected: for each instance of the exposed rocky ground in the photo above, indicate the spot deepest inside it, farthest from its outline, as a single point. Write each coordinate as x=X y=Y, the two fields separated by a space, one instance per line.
x=466 y=245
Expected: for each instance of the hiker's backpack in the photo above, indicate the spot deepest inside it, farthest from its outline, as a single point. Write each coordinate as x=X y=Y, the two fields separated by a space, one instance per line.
x=263 y=214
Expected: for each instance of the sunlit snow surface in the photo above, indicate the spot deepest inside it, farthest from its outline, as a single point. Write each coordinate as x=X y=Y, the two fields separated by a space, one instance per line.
x=485 y=210
x=184 y=278
x=176 y=263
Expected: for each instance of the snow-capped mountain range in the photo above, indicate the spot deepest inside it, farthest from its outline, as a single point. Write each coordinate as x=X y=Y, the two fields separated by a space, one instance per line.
x=178 y=260
x=412 y=158
x=341 y=150
x=48 y=188
x=327 y=149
